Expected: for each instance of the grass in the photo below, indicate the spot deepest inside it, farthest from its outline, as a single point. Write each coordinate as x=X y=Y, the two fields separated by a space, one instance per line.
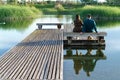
x=17 y=12
x=21 y=12
x=101 y=11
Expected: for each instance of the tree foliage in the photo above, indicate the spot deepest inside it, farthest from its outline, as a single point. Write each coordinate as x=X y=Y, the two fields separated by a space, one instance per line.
x=87 y=0
x=12 y=1
x=113 y=1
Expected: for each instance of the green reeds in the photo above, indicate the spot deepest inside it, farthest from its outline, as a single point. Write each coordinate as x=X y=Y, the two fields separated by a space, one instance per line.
x=95 y=10
x=100 y=11
x=17 y=12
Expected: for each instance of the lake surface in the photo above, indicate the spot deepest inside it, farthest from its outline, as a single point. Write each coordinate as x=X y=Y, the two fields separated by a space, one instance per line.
x=104 y=69
x=108 y=69
x=12 y=33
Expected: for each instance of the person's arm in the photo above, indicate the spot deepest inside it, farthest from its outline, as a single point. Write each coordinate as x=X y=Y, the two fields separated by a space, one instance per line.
x=95 y=27
x=83 y=26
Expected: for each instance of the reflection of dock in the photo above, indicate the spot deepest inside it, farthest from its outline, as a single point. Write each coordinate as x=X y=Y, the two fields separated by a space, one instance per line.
x=83 y=57
x=84 y=47
x=87 y=61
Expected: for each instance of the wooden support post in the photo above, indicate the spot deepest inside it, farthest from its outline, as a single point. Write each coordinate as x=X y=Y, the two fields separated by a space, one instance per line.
x=39 y=26
x=69 y=38
x=59 y=26
x=101 y=39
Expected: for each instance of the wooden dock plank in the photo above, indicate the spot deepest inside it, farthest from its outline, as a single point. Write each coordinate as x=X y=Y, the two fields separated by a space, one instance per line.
x=38 y=63
x=35 y=58
x=38 y=70
x=10 y=65
x=18 y=68
x=12 y=52
x=52 y=67
x=48 y=66
x=58 y=65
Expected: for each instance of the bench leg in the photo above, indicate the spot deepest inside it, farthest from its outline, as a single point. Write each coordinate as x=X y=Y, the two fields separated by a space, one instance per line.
x=101 y=39
x=59 y=26
x=69 y=40
x=39 y=26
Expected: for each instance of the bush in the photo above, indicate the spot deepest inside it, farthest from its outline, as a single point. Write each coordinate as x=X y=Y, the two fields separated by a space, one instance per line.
x=59 y=6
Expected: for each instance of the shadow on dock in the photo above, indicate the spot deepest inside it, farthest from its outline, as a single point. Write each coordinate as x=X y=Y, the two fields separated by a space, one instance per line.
x=40 y=43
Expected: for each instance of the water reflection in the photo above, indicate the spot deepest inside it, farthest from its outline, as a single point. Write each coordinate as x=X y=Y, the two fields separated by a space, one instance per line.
x=17 y=25
x=108 y=23
x=86 y=61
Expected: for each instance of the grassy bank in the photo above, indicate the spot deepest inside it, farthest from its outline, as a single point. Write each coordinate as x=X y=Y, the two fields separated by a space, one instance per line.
x=17 y=12
x=100 y=11
x=21 y=12
x=95 y=10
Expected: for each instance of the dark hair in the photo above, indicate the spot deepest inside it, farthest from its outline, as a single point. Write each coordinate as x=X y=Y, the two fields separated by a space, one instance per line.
x=89 y=15
x=77 y=16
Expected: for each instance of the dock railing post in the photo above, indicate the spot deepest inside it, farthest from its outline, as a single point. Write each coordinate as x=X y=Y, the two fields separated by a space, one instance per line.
x=69 y=38
x=101 y=39
x=39 y=26
x=59 y=26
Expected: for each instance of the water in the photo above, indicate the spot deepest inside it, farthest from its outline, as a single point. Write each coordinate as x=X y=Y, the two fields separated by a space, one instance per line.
x=12 y=33
x=105 y=69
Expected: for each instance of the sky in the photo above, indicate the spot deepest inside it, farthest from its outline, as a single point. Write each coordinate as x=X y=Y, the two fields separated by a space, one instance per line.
x=101 y=0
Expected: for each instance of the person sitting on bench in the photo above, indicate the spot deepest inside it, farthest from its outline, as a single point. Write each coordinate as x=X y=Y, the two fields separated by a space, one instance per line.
x=89 y=25
x=77 y=24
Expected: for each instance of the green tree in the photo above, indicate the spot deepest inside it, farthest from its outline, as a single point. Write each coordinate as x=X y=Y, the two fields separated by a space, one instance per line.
x=109 y=1
x=87 y=0
x=114 y=1
x=12 y=2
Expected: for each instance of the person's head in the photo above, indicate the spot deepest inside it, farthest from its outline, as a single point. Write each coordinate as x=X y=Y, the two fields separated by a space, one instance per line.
x=77 y=16
x=88 y=16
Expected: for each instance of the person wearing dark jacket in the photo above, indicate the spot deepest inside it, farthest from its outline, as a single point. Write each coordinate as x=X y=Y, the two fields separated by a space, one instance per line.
x=89 y=25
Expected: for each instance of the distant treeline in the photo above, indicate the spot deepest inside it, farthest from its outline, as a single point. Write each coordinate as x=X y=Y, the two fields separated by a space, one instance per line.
x=80 y=2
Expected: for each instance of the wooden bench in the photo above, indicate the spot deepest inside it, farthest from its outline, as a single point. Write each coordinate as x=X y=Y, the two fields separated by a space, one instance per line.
x=41 y=24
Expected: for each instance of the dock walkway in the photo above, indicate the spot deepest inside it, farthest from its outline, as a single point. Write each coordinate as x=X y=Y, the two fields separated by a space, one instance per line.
x=40 y=55
x=37 y=57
